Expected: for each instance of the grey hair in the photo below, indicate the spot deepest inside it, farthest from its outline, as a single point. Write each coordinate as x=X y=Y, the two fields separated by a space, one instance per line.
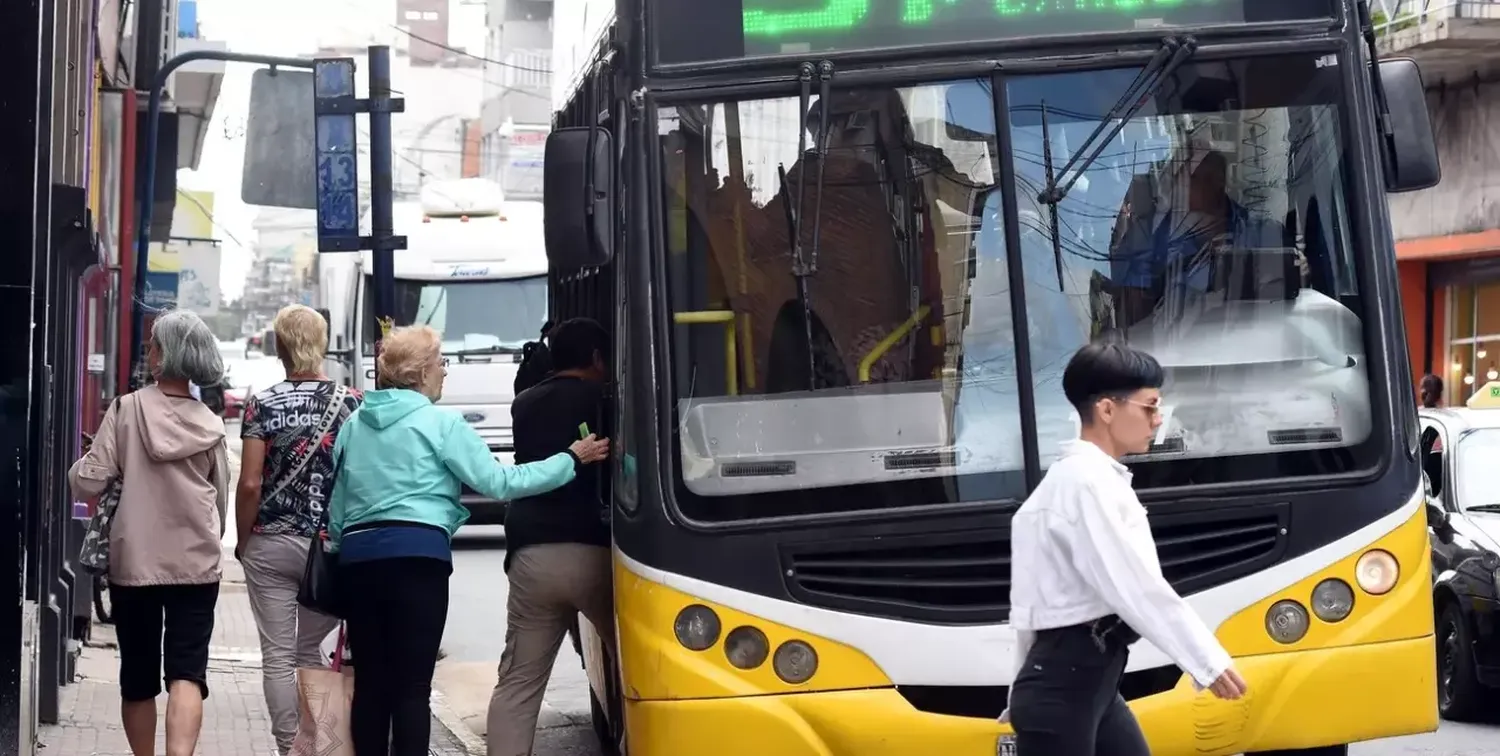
x=188 y=348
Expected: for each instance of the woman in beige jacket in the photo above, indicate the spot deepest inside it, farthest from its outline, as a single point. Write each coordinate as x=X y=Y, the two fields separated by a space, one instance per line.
x=165 y=542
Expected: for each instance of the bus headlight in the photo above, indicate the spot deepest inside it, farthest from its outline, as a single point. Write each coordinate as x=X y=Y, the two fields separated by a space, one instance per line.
x=795 y=662
x=697 y=627
x=1332 y=600
x=1286 y=621
x=746 y=647
x=1377 y=572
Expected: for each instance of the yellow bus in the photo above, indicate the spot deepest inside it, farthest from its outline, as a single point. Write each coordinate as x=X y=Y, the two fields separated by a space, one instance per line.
x=846 y=248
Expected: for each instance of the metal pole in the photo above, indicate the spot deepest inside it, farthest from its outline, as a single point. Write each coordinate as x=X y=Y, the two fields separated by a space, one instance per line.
x=381 y=195
x=146 y=189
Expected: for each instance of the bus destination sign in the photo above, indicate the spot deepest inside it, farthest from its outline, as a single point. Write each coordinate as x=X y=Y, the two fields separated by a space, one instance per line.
x=688 y=31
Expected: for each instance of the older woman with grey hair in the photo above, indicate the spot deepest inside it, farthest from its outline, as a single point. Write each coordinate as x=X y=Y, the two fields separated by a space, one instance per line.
x=167 y=451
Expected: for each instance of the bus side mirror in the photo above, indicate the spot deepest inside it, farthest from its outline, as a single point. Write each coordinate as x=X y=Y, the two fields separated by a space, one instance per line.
x=578 y=198
x=327 y=325
x=1411 y=162
x=1437 y=517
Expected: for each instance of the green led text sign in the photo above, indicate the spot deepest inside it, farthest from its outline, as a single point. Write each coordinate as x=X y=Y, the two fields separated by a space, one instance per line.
x=686 y=31
x=847 y=15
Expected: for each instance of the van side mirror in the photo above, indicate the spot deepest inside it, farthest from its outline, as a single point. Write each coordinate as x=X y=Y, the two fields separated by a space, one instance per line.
x=578 y=197
x=1411 y=161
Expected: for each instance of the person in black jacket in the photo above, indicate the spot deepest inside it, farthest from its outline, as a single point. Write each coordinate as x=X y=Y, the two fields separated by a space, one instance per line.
x=557 y=544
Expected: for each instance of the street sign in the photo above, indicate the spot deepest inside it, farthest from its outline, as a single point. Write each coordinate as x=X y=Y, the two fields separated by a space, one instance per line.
x=1487 y=397
x=337 y=155
x=161 y=291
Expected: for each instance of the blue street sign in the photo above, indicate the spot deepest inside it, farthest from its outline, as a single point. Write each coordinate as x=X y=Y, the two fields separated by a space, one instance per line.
x=161 y=291
x=337 y=155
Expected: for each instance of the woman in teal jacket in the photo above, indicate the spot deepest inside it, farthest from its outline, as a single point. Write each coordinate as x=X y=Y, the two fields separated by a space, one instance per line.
x=392 y=516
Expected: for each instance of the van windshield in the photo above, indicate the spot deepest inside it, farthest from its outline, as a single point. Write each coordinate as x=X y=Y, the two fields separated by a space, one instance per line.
x=470 y=315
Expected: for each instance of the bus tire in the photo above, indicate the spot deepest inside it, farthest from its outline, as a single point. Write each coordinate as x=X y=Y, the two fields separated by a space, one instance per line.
x=1459 y=691
x=609 y=735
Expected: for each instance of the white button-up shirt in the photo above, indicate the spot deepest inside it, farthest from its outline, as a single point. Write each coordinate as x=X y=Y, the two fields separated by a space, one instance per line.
x=1081 y=549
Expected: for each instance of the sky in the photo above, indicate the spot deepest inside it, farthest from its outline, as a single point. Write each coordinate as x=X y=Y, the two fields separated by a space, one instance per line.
x=271 y=27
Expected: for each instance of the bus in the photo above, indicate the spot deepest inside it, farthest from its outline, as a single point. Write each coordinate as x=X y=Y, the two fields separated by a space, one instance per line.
x=846 y=248
x=474 y=269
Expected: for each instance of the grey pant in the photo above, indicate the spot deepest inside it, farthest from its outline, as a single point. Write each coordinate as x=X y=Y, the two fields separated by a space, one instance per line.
x=550 y=585
x=290 y=634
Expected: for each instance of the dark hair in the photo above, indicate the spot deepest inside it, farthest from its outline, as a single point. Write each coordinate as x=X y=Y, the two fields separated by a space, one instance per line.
x=574 y=342
x=1432 y=390
x=1108 y=370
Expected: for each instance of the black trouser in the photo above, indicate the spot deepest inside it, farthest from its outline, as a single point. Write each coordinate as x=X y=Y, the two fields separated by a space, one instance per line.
x=163 y=632
x=1066 y=698
x=396 y=612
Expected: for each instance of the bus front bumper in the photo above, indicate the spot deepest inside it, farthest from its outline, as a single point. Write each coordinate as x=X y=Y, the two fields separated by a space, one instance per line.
x=1297 y=700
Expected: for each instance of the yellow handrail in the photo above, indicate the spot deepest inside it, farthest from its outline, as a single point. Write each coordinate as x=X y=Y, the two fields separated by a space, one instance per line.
x=890 y=341
x=731 y=356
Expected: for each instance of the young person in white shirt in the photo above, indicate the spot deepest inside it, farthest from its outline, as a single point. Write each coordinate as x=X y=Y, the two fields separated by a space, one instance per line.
x=1086 y=582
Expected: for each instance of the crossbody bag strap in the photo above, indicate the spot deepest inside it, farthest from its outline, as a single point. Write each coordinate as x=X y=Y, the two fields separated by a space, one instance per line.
x=335 y=405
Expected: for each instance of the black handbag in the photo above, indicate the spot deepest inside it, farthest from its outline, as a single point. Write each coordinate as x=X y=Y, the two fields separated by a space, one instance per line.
x=319 y=590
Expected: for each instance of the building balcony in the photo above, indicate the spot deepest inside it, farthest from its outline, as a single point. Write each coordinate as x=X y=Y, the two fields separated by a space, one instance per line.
x=194 y=91
x=1451 y=40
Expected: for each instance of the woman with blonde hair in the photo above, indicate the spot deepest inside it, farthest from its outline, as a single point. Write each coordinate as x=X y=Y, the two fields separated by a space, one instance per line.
x=286 y=470
x=401 y=460
x=166 y=452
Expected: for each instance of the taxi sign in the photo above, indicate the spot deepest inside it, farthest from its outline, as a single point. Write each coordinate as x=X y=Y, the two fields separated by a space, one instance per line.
x=1487 y=397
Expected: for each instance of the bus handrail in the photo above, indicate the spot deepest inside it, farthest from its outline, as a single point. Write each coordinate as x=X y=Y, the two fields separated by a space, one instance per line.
x=731 y=356
x=890 y=341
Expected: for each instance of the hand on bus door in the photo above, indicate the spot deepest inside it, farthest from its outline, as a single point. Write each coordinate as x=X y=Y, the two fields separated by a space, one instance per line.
x=1230 y=686
x=590 y=449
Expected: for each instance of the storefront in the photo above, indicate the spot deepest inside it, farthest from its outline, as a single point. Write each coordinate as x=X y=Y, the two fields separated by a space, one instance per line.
x=1450 y=291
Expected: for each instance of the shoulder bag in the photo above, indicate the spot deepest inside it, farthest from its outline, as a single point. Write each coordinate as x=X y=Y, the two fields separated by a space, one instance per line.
x=318 y=590
x=93 y=555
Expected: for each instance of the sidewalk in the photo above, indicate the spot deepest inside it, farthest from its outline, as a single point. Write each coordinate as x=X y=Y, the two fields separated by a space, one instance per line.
x=235 y=722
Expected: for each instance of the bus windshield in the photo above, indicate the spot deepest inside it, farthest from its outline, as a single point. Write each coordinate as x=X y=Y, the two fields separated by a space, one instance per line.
x=1213 y=231
x=495 y=316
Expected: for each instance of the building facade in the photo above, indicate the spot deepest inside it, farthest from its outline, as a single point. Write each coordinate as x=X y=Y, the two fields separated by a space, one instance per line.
x=73 y=139
x=517 y=111
x=1448 y=237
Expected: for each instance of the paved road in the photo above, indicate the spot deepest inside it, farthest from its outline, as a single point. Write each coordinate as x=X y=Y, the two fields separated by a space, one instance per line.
x=472 y=643
x=476 y=632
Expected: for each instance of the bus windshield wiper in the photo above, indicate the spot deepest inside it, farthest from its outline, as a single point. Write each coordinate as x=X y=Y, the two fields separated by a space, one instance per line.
x=1174 y=52
x=805 y=264
x=1483 y=508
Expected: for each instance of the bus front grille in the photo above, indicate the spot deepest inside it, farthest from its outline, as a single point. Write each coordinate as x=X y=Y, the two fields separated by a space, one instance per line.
x=963 y=577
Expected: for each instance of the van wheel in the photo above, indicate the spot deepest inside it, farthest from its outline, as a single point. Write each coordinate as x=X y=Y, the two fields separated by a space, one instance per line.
x=1459 y=692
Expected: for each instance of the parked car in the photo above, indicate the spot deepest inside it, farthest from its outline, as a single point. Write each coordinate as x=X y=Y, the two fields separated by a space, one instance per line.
x=1461 y=466
x=234 y=402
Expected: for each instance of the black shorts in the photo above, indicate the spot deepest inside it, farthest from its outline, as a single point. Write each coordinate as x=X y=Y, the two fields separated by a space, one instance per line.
x=163 y=631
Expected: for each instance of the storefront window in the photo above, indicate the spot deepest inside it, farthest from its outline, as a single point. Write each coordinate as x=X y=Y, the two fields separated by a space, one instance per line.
x=1474 y=351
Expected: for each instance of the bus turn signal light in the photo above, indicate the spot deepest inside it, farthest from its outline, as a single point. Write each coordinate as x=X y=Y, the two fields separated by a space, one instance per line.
x=795 y=662
x=1377 y=572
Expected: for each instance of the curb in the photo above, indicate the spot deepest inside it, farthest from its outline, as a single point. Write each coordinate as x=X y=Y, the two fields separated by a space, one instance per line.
x=454 y=724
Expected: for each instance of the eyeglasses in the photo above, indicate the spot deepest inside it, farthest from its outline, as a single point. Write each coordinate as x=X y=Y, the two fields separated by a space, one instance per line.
x=1152 y=408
